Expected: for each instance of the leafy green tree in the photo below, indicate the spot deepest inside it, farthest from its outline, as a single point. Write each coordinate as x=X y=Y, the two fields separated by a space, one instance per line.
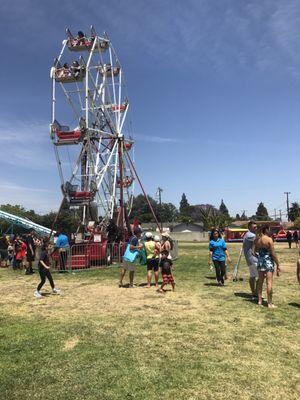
x=184 y=207
x=211 y=217
x=223 y=209
x=294 y=211
x=140 y=209
x=262 y=213
x=168 y=212
x=18 y=210
x=244 y=217
x=297 y=223
x=198 y=210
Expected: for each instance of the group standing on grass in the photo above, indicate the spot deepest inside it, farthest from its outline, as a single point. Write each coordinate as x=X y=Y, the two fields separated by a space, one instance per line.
x=157 y=257
x=19 y=251
x=260 y=256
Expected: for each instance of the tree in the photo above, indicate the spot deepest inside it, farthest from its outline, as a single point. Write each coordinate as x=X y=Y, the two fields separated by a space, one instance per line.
x=168 y=212
x=211 y=217
x=198 y=209
x=140 y=209
x=184 y=207
x=244 y=217
x=294 y=211
x=223 y=209
x=262 y=213
x=297 y=223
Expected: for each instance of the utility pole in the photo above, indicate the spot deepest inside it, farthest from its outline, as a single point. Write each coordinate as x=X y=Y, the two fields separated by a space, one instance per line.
x=280 y=216
x=158 y=193
x=287 y=205
x=275 y=214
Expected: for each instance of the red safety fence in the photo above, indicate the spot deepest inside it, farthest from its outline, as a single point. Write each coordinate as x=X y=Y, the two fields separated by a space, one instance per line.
x=82 y=256
x=88 y=255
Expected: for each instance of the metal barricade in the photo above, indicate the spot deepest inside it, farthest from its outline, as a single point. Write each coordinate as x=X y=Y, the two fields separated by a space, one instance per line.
x=83 y=256
x=174 y=251
x=60 y=260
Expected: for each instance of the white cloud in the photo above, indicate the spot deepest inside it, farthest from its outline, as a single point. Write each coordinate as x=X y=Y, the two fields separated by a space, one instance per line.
x=39 y=199
x=26 y=145
x=157 y=139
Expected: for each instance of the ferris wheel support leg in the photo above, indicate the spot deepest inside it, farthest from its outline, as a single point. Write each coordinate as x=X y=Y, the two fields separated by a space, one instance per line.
x=143 y=190
x=56 y=218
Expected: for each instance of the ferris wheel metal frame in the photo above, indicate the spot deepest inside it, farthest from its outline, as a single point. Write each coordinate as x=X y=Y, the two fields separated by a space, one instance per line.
x=102 y=177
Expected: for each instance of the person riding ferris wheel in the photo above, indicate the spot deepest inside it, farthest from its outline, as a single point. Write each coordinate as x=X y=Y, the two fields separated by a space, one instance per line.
x=90 y=129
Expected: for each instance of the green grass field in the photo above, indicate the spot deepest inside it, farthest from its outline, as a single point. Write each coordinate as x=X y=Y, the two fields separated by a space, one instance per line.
x=97 y=341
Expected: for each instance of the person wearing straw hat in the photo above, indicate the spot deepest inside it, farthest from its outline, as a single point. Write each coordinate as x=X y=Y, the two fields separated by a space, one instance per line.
x=166 y=243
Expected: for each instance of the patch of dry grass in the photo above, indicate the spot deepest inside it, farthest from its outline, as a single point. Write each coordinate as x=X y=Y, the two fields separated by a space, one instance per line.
x=200 y=342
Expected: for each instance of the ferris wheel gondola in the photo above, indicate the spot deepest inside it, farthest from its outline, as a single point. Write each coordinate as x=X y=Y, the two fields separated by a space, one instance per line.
x=90 y=129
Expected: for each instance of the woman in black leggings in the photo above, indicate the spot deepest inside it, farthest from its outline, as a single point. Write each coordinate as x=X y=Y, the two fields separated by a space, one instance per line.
x=217 y=254
x=44 y=271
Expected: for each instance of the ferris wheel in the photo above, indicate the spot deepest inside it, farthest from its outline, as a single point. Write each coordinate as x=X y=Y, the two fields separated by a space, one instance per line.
x=90 y=129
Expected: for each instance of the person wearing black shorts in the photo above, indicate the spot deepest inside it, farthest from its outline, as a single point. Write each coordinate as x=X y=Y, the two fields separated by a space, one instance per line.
x=152 y=259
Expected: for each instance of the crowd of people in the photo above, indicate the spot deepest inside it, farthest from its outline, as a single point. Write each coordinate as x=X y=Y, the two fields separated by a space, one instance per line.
x=157 y=256
x=21 y=251
x=260 y=256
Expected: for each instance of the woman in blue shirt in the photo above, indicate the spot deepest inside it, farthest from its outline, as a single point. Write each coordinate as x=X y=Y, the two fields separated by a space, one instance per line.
x=217 y=254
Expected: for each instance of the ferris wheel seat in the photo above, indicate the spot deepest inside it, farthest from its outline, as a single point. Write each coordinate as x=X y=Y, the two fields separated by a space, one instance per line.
x=63 y=76
x=127 y=182
x=80 y=45
x=79 y=198
x=109 y=71
x=121 y=107
x=68 y=136
x=128 y=146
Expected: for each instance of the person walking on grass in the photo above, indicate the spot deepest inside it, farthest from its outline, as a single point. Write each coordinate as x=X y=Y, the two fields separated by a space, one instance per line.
x=135 y=245
x=251 y=259
x=63 y=247
x=218 y=254
x=296 y=239
x=30 y=254
x=289 y=238
x=152 y=251
x=266 y=260
x=166 y=271
x=44 y=271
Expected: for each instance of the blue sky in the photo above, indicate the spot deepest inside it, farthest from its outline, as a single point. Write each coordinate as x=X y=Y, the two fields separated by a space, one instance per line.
x=214 y=88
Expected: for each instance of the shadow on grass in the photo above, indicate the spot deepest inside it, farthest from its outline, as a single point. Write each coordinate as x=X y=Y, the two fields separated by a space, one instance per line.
x=246 y=296
x=152 y=284
x=297 y=305
x=211 y=284
x=210 y=277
